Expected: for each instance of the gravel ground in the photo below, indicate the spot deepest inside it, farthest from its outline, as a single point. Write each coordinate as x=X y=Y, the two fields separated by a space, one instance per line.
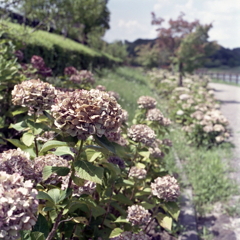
x=222 y=226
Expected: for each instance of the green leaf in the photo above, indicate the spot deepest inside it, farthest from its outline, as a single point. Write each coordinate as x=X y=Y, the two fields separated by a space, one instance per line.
x=172 y=208
x=97 y=211
x=27 y=139
x=49 y=170
x=17 y=143
x=113 y=168
x=88 y=171
x=92 y=155
x=20 y=126
x=57 y=195
x=63 y=151
x=78 y=181
x=36 y=128
x=41 y=225
x=105 y=143
x=164 y=221
x=45 y=196
x=116 y=232
x=51 y=144
x=121 y=219
x=48 y=116
x=20 y=110
x=37 y=236
x=122 y=199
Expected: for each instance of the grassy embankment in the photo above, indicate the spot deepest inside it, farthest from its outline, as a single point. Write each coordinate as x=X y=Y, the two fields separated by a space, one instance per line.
x=206 y=170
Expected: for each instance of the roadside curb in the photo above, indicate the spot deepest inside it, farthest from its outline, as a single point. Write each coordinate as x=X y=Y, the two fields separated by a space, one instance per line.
x=187 y=216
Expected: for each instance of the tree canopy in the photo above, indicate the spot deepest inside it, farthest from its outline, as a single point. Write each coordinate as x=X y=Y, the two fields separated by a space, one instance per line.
x=73 y=18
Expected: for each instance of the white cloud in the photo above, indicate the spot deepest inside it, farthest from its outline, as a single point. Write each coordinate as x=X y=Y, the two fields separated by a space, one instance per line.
x=224 y=14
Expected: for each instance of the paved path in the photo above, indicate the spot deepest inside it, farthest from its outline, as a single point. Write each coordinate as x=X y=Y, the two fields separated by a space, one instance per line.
x=229 y=96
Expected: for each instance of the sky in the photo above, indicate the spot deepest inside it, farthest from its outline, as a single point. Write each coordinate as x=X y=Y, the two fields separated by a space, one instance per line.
x=131 y=19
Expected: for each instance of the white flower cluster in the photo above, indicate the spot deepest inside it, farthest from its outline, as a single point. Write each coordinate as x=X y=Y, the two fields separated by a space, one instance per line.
x=165 y=188
x=139 y=173
x=138 y=215
x=18 y=205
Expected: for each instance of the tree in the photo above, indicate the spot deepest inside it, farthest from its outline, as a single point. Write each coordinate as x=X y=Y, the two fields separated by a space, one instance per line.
x=149 y=55
x=74 y=18
x=193 y=50
x=185 y=41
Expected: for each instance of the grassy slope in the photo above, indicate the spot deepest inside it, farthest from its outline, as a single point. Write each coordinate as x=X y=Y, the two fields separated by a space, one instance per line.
x=206 y=171
x=47 y=40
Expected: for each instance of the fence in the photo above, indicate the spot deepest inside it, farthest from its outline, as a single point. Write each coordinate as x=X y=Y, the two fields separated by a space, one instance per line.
x=225 y=76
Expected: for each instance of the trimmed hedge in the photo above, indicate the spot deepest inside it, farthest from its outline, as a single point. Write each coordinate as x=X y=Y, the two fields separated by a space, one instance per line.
x=58 y=52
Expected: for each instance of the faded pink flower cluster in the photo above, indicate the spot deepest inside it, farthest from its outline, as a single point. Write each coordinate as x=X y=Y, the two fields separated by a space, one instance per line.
x=18 y=205
x=38 y=63
x=82 y=77
x=165 y=188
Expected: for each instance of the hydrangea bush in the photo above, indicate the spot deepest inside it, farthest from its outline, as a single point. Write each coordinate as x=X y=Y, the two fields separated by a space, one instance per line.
x=94 y=175
x=194 y=107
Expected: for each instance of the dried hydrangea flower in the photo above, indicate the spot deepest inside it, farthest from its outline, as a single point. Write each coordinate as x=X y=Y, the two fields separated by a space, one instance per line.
x=147 y=102
x=184 y=97
x=34 y=94
x=87 y=77
x=101 y=88
x=37 y=62
x=114 y=94
x=132 y=236
x=46 y=136
x=219 y=139
x=165 y=122
x=156 y=152
x=82 y=113
x=165 y=188
x=138 y=215
x=218 y=128
x=113 y=136
x=167 y=142
x=17 y=161
x=142 y=133
x=18 y=205
x=154 y=115
x=124 y=115
x=122 y=141
x=75 y=78
x=49 y=160
x=139 y=173
x=117 y=161
x=70 y=71
x=208 y=128
x=88 y=188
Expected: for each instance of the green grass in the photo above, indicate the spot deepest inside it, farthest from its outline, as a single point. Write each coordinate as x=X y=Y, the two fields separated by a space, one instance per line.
x=48 y=40
x=207 y=171
x=130 y=83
